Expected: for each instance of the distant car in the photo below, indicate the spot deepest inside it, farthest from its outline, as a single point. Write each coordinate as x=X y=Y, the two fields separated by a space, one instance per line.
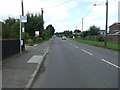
x=64 y=38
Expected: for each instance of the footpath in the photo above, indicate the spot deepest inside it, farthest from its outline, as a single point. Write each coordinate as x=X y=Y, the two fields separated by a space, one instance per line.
x=20 y=71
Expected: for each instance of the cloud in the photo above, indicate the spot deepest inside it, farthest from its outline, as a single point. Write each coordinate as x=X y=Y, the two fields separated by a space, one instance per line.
x=63 y=14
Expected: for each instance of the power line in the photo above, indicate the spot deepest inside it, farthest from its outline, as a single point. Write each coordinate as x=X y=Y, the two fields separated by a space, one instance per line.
x=57 y=4
x=90 y=9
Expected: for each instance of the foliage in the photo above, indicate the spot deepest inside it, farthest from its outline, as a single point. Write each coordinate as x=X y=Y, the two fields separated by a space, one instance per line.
x=45 y=35
x=84 y=34
x=50 y=30
x=77 y=31
x=101 y=44
x=30 y=42
x=101 y=39
x=34 y=23
x=10 y=28
x=68 y=33
x=60 y=34
x=93 y=30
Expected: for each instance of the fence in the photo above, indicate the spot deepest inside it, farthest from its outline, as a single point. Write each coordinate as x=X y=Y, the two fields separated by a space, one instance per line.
x=10 y=47
x=110 y=38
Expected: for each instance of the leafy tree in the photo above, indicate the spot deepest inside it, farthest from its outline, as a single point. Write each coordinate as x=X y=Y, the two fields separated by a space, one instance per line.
x=68 y=33
x=15 y=30
x=34 y=23
x=93 y=30
x=50 y=30
x=77 y=31
x=84 y=34
x=10 y=28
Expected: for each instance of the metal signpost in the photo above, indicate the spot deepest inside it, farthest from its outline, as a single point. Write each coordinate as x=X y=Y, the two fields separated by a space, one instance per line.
x=23 y=19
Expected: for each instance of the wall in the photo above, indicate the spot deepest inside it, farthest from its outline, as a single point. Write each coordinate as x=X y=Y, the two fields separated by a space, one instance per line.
x=10 y=47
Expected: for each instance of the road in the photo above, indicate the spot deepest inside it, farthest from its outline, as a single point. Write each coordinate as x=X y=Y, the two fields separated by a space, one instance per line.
x=70 y=64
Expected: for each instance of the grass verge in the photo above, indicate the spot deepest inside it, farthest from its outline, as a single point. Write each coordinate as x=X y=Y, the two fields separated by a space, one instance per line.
x=101 y=44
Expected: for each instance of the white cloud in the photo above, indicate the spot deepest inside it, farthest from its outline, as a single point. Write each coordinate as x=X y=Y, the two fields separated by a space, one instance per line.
x=59 y=14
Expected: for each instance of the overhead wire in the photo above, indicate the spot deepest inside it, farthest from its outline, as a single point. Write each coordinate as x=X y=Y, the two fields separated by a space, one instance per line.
x=58 y=4
x=90 y=9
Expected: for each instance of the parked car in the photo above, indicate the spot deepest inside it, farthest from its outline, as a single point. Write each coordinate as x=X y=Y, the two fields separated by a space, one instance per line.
x=64 y=38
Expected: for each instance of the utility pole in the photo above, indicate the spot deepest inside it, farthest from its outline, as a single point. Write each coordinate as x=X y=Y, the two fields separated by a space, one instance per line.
x=106 y=28
x=82 y=24
x=42 y=29
x=22 y=5
x=20 y=36
x=42 y=12
x=82 y=27
x=22 y=8
x=42 y=16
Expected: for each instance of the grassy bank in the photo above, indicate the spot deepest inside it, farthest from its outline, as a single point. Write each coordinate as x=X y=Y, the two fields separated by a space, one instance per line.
x=101 y=44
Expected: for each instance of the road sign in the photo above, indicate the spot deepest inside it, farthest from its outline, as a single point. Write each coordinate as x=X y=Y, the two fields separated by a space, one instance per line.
x=23 y=19
x=37 y=33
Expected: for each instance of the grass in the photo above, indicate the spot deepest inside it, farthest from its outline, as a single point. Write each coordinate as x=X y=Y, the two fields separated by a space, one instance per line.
x=113 y=46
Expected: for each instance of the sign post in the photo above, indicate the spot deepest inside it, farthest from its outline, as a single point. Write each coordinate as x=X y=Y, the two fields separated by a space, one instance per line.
x=23 y=19
x=20 y=36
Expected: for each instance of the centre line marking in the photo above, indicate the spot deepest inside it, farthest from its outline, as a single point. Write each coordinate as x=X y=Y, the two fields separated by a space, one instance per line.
x=87 y=52
x=76 y=47
x=110 y=63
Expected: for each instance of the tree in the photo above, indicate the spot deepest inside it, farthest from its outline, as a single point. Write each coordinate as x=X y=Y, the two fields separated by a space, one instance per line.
x=93 y=30
x=77 y=31
x=68 y=33
x=10 y=28
x=84 y=34
x=34 y=23
x=50 y=30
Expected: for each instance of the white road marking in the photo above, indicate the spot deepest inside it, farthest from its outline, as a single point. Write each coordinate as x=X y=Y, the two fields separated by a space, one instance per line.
x=87 y=52
x=110 y=63
x=75 y=46
x=35 y=59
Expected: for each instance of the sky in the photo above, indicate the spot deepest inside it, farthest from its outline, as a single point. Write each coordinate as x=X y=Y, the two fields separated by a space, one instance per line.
x=64 y=14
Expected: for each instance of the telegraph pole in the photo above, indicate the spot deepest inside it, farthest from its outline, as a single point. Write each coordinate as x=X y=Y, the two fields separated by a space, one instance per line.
x=42 y=21
x=42 y=12
x=82 y=27
x=82 y=24
x=22 y=8
x=22 y=24
x=42 y=15
x=106 y=28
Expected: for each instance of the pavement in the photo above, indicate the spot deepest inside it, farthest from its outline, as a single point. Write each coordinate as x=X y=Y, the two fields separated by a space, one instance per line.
x=18 y=71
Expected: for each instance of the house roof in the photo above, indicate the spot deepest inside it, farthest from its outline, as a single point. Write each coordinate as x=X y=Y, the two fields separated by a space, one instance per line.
x=102 y=30
x=116 y=23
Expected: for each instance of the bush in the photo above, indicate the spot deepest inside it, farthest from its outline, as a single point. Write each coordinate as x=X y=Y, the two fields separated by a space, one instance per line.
x=101 y=39
x=30 y=42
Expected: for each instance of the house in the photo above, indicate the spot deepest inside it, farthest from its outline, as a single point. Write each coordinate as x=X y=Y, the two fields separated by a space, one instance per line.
x=102 y=32
x=0 y=29
x=114 y=29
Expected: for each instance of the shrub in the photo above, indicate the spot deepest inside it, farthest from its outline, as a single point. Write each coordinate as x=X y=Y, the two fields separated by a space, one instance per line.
x=30 y=42
x=101 y=39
